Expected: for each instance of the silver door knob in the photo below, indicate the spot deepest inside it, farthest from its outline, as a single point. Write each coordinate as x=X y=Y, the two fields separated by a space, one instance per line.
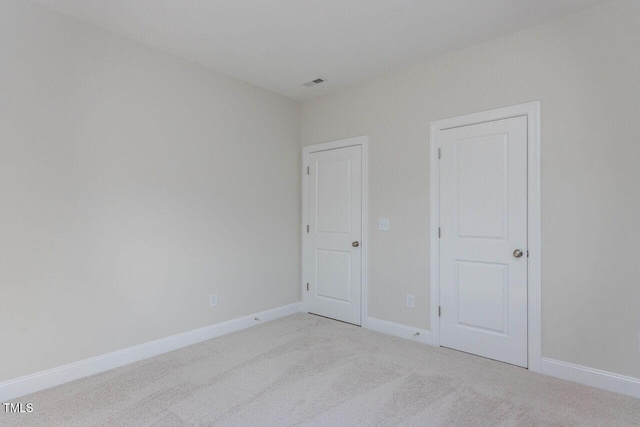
x=517 y=253
x=355 y=244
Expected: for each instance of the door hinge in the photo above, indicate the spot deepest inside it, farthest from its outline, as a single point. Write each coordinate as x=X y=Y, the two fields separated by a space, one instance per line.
x=307 y=228
x=439 y=311
x=307 y=287
x=307 y=170
x=439 y=153
x=527 y=254
x=439 y=232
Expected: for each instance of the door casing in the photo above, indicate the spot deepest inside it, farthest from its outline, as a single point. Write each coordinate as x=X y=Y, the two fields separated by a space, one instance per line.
x=534 y=302
x=363 y=142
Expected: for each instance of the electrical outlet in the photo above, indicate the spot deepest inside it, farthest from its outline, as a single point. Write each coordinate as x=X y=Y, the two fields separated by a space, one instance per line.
x=213 y=300
x=410 y=301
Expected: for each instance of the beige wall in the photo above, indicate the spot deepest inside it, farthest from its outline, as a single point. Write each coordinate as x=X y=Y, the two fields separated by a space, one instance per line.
x=133 y=185
x=585 y=69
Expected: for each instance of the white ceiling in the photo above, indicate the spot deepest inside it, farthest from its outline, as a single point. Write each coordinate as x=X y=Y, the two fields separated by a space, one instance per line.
x=280 y=44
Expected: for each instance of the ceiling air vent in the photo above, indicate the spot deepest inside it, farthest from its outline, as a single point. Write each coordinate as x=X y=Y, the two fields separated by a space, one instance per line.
x=313 y=82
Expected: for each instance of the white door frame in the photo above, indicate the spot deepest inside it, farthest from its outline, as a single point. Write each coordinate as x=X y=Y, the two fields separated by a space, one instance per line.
x=363 y=142
x=532 y=111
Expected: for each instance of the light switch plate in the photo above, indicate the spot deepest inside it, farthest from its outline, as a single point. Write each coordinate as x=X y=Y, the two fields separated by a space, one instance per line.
x=384 y=224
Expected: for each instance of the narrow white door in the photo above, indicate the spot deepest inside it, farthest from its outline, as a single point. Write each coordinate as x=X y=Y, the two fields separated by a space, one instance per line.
x=483 y=243
x=334 y=254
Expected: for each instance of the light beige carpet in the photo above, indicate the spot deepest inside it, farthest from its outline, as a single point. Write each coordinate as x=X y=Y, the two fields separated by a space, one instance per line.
x=310 y=371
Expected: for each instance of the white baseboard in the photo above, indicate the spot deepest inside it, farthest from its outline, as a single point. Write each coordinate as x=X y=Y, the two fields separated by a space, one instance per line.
x=403 y=331
x=73 y=371
x=52 y=377
x=567 y=371
x=592 y=377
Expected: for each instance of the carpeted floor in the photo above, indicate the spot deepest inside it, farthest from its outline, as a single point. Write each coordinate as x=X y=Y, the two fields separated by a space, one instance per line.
x=311 y=371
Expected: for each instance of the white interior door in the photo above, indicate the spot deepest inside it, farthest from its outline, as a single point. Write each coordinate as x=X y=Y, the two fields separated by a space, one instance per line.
x=483 y=243
x=334 y=255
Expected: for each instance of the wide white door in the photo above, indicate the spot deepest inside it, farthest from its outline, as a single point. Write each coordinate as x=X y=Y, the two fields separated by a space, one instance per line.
x=483 y=243
x=334 y=254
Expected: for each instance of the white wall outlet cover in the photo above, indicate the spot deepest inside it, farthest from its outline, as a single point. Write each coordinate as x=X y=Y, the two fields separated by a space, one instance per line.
x=384 y=224
x=213 y=300
x=410 y=301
